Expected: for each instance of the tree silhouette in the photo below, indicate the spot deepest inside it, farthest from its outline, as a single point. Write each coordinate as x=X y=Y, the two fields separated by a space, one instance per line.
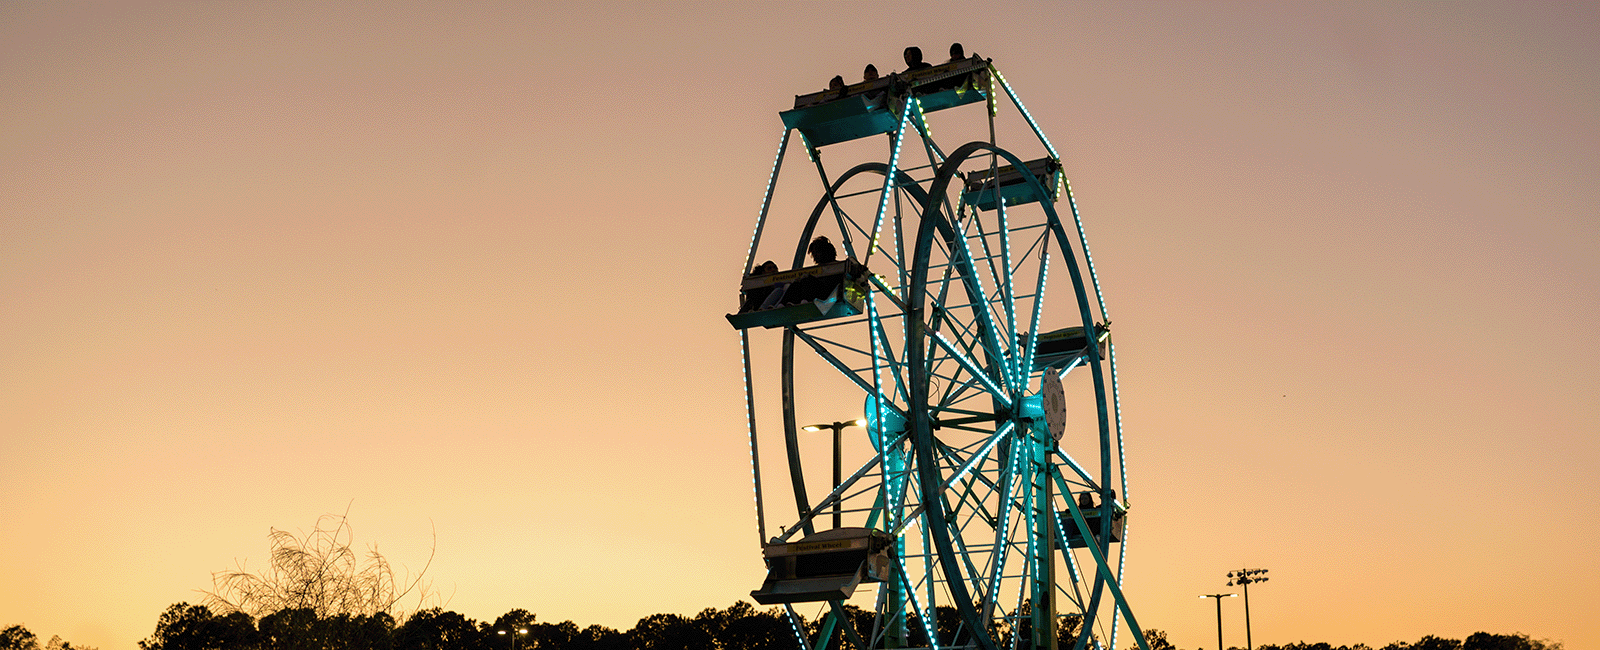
x=18 y=637
x=498 y=634
x=558 y=635
x=436 y=629
x=195 y=627
x=1487 y=641
x=291 y=629
x=743 y=626
x=600 y=637
x=319 y=572
x=1067 y=628
x=668 y=632
x=1156 y=639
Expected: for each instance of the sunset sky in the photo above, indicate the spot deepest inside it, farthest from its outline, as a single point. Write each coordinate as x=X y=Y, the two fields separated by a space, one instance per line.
x=462 y=267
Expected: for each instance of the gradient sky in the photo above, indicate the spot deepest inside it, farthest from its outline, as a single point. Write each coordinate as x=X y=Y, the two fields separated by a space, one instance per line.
x=462 y=267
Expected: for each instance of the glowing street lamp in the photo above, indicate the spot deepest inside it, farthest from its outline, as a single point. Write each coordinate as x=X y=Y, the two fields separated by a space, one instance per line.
x=522 y=630
x=838 y=469
x=1219 y=598
x=1243 y=578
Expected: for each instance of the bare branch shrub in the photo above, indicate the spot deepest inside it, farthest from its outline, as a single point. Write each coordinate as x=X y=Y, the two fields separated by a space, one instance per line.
x=319 y=571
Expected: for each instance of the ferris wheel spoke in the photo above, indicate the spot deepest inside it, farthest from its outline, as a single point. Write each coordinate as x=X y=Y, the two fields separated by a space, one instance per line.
x=826 y=354
x=883 y=356
x=1069 y=461
x=1071 y=560
x=1002 y=533
x=972 y=369
x=1035 y=245
x=960 y=388
x=1000 y=279
x=989 y=335
x=836 y=494
x=959 y=473
x=1029 y=345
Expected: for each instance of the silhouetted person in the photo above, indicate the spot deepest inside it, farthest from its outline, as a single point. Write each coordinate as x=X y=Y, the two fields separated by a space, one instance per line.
x=956 y=53
x=811 y=286
x=914 y=60
x=822 y=251
x=836 y=88
x=1085 y=501
x=755 y=297
x=870 y=73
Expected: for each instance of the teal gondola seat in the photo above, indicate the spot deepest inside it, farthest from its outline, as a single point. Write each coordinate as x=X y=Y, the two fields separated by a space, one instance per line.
x=1091 y=516
x=1061 y=347
x=1011 y=185
x=864 y=109
x=803 y=295
x=825 y=566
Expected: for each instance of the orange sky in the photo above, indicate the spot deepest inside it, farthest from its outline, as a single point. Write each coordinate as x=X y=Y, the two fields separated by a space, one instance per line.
x=463 y=267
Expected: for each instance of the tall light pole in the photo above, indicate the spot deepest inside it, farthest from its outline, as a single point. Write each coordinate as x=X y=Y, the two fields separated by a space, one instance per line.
x=838 y=468
x=1243 y=578
x=521 y=630
x=1219 y=598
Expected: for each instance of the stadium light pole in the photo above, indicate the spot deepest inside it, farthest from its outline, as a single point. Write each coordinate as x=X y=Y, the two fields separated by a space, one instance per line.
x=838 y=468
x=1243 y=578
x=1219 y=598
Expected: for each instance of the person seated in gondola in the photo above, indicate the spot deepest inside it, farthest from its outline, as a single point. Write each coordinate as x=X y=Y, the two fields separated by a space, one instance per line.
x=914 y=60
x=1085 y=500
x=755 y=297
x=822 y=251
x=869 y=73
x=957 y=53
x=837 y=87
x=811 y=287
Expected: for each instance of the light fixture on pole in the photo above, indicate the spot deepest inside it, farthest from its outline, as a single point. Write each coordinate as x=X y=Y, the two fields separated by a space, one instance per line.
x=1243 y=578
x=838 y=468
x=1219 y=598
x=520 y=630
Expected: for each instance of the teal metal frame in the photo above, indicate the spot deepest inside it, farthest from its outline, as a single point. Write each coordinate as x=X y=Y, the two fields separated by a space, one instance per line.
x=959 y=366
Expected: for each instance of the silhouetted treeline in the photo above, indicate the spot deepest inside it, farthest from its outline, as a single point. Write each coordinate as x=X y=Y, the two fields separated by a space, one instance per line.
x=195 y=627
x=740 y=626
x=1478 y=641
x=17 y=637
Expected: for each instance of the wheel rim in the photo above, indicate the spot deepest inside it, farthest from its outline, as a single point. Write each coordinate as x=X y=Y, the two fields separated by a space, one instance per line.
x=1021 y=462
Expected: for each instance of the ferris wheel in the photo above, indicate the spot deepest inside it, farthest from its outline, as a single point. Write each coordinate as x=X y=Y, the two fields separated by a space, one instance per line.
x=965 y=507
